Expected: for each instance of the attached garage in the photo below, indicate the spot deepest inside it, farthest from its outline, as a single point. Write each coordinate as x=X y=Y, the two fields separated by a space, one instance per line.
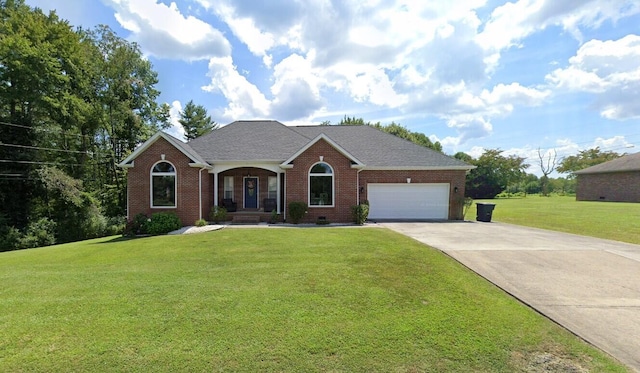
x=408 y=201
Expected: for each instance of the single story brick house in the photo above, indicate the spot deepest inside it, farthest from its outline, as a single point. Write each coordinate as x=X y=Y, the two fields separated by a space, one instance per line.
x=617 y=180
x=254 y=167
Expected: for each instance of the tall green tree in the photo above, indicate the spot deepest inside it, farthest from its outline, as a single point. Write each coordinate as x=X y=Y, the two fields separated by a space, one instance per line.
x=585 y=158
x=130 y=114
x=494 y=172
x=195 y=121
x=77 y=100
x=41 y=102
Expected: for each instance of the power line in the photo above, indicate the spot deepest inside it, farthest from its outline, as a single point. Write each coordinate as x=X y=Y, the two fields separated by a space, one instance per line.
x=41 y=148
x=35 y=162
x=51 y=130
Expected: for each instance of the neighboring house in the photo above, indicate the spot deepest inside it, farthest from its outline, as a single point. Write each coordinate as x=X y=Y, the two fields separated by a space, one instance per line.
x=617 y=180
x=253 y=167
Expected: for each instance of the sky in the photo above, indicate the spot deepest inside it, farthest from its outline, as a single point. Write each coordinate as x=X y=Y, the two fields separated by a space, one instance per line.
x=526 y=76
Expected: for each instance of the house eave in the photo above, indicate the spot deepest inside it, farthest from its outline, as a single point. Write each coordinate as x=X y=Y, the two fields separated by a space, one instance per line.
x=201 y=165
x=418 y=168
x=605 y=172
x=145 y=145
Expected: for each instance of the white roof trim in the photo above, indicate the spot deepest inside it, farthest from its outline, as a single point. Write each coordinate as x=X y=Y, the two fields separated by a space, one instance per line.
x=172 y=140
x=324 y=137
x=419 y=168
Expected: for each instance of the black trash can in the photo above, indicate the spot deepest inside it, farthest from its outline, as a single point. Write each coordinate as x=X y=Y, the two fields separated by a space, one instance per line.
x=485 y=210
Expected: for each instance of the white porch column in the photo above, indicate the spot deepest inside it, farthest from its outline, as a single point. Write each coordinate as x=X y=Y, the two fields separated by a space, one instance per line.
x=278 y=187
x=215 y=189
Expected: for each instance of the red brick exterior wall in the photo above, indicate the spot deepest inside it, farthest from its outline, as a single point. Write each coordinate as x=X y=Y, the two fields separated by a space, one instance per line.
x=344 y=177
x=612 y=187
x=139 y=180
x=454 y=178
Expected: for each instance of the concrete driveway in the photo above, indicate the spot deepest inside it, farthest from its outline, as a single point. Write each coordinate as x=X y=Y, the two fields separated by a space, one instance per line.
x=590 y=286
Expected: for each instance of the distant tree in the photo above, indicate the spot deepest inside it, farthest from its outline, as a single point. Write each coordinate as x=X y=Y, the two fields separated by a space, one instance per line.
x=584 y=159
x=493 y=173
x=353 y=121
x=195 y=121
x=463 y=157
x=547 y=166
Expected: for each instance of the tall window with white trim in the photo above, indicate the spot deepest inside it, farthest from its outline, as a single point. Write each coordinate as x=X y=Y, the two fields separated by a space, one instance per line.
x=163 y=185
x=321 y=185
x=228 y=187
x=272 y=187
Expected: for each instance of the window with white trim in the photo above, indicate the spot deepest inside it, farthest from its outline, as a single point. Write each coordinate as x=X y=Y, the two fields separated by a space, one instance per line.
x=321 y=186
x=228 y=187
x=272 y=187
x=163 y=185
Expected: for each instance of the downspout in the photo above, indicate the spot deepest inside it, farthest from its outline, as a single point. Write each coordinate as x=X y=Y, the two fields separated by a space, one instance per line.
x=200 y=192
x=358 y=186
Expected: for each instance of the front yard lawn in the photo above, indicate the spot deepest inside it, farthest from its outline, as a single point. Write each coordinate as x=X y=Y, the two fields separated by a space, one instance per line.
x=315 y=299
x=611 y=220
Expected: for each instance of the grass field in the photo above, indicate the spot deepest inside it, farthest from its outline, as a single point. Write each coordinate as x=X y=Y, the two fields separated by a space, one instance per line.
x=316 y=299
x=611 y=220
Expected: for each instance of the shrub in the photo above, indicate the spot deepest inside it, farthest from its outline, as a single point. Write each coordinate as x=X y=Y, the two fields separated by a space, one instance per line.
x=200 y=223
x=297 y=211
x=39 y=233
x=218 y=214
x=468 y=202
x=274 y=216
x=10 y=238
x=163 y=223
x=116 y=225
x=137 y=226
x=360 y=212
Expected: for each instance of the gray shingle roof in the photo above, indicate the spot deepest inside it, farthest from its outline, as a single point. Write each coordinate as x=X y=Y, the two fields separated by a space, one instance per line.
x=375 y=148
x=627 y=163
x=273 y=141
x=249 y=141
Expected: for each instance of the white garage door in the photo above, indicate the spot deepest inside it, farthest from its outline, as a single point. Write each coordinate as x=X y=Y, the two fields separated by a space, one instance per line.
x=408 y=201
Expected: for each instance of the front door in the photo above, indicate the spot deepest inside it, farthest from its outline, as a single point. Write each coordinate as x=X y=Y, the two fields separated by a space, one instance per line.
x=251 y=192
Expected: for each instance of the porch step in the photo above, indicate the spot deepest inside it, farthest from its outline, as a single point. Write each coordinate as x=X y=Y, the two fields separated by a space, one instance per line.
x=246 y=219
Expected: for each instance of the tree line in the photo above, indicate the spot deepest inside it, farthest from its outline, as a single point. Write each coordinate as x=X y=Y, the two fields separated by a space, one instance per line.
x=73 y=103
x=497 y=173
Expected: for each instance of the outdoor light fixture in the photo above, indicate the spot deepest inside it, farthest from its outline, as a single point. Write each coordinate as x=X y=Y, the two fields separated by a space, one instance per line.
x=361 y=189
x=455 y=189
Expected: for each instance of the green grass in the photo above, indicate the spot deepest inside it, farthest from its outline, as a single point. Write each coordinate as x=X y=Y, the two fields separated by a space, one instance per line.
x=611 y=220
x=317 y=299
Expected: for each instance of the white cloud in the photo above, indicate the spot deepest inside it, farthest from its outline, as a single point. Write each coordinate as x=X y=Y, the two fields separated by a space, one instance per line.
x=163 y=31
x=244 y=99
x=296 y=89
x=512 y=22
x=610 y=71
x=244 y=28
x=176 y=129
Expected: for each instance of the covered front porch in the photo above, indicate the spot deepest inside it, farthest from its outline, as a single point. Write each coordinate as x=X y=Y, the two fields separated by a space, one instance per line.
x=248 y=190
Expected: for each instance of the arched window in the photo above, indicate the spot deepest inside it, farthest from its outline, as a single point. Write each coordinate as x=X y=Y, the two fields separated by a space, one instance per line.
x=321 y=190
x=163 y=185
